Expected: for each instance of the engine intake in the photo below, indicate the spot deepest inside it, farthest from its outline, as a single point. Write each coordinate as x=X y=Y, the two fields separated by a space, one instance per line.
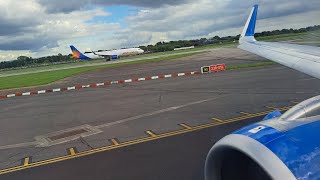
x=240 y=157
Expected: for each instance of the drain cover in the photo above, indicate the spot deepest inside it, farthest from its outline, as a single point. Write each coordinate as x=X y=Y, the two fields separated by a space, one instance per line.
x=66 y=135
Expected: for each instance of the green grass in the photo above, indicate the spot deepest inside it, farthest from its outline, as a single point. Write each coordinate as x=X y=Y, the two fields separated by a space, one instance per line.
x=250 y=65
x=50 y=67
x=306 y=36
x=185 y=50
x=312 y=40
x=42 y=78
x=280 y=37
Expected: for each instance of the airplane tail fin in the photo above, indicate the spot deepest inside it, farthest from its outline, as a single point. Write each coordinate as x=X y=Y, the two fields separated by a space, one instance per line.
x=77 y=54
x=247 y=34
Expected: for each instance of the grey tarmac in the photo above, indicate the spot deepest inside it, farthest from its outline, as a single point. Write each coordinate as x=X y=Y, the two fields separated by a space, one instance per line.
x=125 y=112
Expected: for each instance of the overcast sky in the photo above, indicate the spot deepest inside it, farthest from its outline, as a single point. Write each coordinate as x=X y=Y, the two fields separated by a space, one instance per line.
x=47 y=27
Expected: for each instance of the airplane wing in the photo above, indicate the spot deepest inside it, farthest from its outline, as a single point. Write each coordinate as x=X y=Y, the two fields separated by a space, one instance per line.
x=305 y=59
x=280 y=146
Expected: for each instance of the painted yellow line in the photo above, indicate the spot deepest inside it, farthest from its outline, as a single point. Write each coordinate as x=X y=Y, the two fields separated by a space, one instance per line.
x=285 y=108
x=243 y=117
x=185 y=126
x=245 y=113
x=26 y=161
x=271 y=107
x=217 y=119
x=269 y=111
x=277 y=108
x=257 y=114
x=151 y=134
x=72 y=151
x=106 y=148
x=114 y=142
x=128 y=143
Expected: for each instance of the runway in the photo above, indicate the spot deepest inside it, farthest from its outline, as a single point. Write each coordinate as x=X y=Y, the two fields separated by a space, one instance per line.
x=44 y=127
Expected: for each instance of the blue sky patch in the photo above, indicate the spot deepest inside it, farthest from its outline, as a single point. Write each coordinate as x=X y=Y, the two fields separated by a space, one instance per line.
x=118 y=15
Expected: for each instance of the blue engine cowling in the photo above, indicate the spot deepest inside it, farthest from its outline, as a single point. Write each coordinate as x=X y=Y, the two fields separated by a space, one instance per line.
x=114 y=57
x=285 y=147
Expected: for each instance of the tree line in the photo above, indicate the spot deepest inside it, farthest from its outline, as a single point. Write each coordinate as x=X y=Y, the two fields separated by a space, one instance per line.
x=24 y=61
x=169 y=46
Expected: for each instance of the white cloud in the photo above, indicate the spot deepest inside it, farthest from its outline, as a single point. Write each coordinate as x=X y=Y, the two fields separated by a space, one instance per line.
x=43 y=27
x=74 y=5
x=205 y=18
x=28 y=27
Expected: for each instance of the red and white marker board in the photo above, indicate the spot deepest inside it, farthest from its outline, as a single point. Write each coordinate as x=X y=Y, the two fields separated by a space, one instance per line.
x=217 y=67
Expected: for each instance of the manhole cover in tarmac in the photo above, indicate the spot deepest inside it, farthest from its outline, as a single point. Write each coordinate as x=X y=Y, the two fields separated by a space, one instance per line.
x=66 y=135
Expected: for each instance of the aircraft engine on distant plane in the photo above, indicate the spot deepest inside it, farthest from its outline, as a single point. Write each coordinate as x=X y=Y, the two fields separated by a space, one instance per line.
x=115 y=57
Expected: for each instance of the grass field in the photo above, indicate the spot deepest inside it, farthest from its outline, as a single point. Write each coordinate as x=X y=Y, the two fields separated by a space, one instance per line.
x=42 y=78
x=307 y=36
x=250 y=65
x=50 y=67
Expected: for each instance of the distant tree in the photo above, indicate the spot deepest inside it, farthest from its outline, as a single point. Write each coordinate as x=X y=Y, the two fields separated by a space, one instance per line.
x=143 y=48
x=22 y=58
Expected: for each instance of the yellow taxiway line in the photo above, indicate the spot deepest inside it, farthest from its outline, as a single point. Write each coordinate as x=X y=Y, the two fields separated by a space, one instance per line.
x=151 y=137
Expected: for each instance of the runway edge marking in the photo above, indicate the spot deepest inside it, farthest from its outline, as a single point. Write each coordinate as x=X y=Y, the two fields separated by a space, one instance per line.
x=136 y=141
x=77 y=87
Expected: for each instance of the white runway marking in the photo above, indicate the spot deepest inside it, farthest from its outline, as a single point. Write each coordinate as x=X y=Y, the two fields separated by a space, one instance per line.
x=306 y=79
x=25 y=144
x=157 y=112
x=38 y=142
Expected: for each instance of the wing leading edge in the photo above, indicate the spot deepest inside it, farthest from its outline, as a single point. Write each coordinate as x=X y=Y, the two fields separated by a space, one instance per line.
x=305 y=59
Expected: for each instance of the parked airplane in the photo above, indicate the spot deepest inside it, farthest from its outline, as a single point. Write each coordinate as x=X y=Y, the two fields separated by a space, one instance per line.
x=281 y=146
x=107 y=54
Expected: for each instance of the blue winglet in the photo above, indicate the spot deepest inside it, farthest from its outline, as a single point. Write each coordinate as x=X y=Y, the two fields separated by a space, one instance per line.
x=252 y=24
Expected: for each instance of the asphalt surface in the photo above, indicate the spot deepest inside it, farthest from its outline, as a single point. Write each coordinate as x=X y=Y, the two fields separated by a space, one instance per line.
x=127 y=111
x=178 y=157
x=177 y=99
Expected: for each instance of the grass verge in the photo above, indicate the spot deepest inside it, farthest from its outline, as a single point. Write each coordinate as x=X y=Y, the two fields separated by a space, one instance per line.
x=251 y=65
x=43 y=78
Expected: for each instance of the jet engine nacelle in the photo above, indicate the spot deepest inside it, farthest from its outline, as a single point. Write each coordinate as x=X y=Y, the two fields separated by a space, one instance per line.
x=279 y=147
x=115 y=57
